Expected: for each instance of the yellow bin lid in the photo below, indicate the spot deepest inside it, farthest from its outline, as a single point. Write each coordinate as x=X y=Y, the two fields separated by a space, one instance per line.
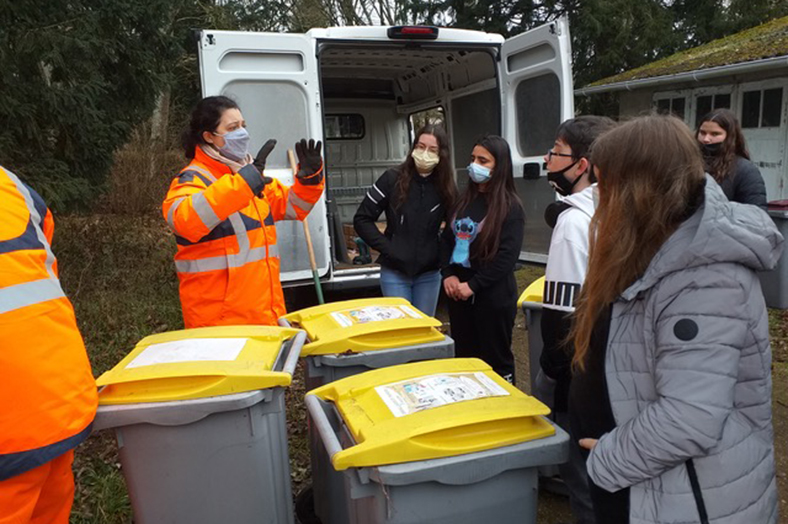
x=432 y=409
x=202 y=362
x=533 y=293
x=366 y=324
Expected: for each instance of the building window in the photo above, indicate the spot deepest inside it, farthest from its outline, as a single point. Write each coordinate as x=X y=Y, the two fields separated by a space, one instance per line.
x=762 y=108
x=344 y=127
x=706 y=103
x=433 y=116
x=672 y=106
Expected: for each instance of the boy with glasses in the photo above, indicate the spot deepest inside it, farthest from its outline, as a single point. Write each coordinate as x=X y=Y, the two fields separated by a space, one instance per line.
x=571 y=175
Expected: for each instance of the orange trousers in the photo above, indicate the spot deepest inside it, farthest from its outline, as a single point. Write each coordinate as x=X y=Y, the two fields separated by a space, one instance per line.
x=43 y=495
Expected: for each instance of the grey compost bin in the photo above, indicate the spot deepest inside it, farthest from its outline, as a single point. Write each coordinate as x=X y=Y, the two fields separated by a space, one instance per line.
x=775 y=282
x=498 y=485
x=391 y=332
x=217 y=458
x=541 y=385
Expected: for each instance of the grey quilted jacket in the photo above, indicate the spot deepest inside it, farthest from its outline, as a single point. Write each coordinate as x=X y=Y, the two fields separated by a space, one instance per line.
x=688 y=372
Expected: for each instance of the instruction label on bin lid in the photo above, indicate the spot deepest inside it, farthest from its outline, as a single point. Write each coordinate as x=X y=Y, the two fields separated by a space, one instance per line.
x=363 y=315
x=189 y=350
x=418 y=394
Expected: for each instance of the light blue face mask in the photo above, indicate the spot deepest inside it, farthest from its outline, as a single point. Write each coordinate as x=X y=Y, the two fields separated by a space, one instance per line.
x=479 y=174
x=236 y=144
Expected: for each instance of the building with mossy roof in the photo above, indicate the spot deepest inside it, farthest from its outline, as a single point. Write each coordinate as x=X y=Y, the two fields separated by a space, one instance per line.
x=746 y=72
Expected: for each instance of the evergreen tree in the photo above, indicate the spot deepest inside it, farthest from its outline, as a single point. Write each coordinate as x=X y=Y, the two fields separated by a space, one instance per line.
x=75 y=77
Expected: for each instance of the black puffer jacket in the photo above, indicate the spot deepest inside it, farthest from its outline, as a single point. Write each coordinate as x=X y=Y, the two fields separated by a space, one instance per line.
x=410 y=242
x=745 y=185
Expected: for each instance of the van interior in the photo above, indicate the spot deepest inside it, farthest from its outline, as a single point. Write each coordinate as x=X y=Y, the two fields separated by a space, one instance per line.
x=374 y=99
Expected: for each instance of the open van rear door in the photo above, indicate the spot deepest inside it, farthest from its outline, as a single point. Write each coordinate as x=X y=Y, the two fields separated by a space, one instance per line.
x=274 y=79
x=536 y=95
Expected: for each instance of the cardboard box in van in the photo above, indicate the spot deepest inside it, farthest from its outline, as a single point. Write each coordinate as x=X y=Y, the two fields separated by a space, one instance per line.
x=360 y=90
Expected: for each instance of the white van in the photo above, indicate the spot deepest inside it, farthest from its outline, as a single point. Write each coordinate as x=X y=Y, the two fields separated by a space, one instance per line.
x=359 y=88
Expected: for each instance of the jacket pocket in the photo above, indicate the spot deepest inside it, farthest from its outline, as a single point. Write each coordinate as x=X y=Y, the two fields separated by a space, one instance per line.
x=399 y=253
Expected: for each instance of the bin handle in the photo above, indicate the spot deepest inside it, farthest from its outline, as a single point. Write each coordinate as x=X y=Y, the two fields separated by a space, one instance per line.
x=294 y=348
x=318 y=412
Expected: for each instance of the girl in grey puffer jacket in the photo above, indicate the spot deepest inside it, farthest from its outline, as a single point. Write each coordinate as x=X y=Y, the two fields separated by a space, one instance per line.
x=684 y=367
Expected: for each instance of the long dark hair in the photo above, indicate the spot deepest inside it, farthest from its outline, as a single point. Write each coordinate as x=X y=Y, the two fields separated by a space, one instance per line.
x=721 y=166
x=205 y=117
x=444 y=177
x=500 y=194
x=650 y=172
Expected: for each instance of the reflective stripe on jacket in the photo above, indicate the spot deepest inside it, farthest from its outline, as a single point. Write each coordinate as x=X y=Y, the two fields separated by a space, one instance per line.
x=227 y=258
x=47 y=391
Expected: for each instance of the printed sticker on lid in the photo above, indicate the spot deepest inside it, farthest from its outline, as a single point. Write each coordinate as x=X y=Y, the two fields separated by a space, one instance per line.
x=189 y=350
x=364 y=315
x=418 y=394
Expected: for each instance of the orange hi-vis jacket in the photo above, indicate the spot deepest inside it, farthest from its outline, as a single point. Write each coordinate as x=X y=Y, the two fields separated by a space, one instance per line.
x=227 y=259
x=47 y=393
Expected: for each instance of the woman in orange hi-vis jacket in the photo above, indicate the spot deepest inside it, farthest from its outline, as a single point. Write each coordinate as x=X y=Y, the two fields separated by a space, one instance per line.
x=47 y=392
x=223 y=209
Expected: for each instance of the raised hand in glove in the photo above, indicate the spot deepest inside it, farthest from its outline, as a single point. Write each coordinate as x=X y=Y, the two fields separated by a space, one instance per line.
x=253 y=173
x=310 y=162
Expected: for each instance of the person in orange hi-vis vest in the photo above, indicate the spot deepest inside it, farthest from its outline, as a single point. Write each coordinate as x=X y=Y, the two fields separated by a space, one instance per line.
x=223 y=209
x=47 y=391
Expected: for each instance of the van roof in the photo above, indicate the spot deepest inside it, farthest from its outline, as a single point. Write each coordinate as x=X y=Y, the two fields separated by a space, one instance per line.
x=379 y=33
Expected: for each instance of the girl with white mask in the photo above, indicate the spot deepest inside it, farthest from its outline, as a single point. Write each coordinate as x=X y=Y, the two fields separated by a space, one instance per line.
x=415 y=197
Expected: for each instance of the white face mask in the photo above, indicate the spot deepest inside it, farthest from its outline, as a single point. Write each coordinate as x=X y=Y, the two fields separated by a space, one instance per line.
x=425 y=161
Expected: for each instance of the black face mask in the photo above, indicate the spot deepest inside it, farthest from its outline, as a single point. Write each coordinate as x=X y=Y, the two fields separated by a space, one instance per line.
x=559 y=182
x=710 y=150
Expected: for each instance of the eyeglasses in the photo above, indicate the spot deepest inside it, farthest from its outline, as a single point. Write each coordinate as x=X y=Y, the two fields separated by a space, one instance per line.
x=551 y=154
x=422 y=147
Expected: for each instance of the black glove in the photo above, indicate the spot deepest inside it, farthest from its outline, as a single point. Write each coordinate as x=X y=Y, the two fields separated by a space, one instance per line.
x=253 y=173
x=262 y=155
x=310 y=162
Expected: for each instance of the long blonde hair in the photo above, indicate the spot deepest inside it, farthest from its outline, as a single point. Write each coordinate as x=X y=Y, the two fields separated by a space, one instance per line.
x=650 y=172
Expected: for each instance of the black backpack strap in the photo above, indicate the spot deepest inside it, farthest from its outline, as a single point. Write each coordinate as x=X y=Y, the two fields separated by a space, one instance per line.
x=552 y=211
x=697 y=493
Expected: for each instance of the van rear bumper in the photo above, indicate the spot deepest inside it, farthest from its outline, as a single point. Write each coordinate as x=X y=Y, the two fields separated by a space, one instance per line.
x=355 y=278
x=344 y=279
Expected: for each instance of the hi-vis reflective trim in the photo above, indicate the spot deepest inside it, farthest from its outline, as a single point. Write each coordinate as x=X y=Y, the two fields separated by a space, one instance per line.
x=37 y=220
x=29 y=293
x=171 y=212
x=294 y=201
x=199 y=203
x=211 y=220
x=204 y=210
x=204 y=172
x=202 y=265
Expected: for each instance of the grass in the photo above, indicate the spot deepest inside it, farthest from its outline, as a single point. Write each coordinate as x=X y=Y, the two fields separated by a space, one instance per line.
x=118 y=271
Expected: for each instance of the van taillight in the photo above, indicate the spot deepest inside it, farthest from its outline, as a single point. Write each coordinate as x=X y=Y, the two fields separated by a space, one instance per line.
x=413 y=32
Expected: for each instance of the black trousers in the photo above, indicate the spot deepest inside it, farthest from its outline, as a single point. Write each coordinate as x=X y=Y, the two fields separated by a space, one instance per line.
x=483 y=329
